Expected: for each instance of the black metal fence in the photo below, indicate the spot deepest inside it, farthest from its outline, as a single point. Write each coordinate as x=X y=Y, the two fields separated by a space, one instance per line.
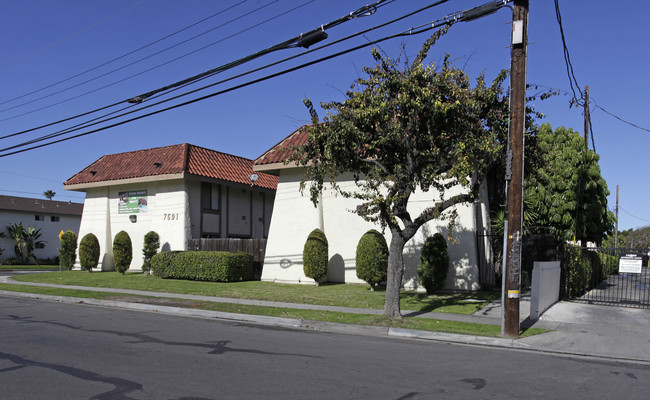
x=591 y=275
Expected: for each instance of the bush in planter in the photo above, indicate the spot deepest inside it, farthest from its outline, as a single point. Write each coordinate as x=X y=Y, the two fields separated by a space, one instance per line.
x=122 y=251
x=149 y=249
x=434 y=263
x=372 y=258
x=212 y=266
x=315 y=256
x=68 y=249
x=89 y=252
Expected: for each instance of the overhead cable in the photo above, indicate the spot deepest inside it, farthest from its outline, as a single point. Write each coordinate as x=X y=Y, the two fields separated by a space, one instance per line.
x=123 y=55
x=94 y=120
x=413 y=31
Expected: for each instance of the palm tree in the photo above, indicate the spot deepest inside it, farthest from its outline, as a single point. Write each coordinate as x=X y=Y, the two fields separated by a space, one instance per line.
x=16 y=232
x=31 y=239
x=49 y=194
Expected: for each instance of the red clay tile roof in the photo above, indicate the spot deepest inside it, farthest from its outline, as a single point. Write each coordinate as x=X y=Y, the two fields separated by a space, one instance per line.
x=281 y=151
x=174 y=159
x=11 y=203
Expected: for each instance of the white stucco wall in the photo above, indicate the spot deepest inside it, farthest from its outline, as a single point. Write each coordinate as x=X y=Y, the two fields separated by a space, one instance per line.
x=294 y=217
x=167 y=213
x=50 y=230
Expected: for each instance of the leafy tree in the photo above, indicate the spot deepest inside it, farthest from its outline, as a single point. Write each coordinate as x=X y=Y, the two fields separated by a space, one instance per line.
x=48 y=194
x=15 y=231
x=566 y=189
x=68 y=249
x=372 y=258
x=406 y=129
x=32 y=241
x=27 y=240
x=150 y=248
x=122 y=251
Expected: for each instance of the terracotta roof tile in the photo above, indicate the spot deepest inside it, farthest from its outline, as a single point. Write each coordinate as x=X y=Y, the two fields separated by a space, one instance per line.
x=282 y=151
x=12 y=203
x=174 y=159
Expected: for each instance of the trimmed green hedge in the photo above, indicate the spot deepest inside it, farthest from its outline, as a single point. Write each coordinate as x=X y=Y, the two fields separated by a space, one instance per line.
x=586 y=269
x=122 y=251
x=315 y=258
x=89 y=252
x=211 y=266
x=372 y=258
x=68 y=249
x=434 y=263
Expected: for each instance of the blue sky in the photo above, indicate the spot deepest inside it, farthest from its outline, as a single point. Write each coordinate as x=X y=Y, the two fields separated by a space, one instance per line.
x=53 y=40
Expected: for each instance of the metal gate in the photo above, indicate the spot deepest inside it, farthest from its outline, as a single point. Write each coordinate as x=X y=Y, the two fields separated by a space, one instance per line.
x=591 y=275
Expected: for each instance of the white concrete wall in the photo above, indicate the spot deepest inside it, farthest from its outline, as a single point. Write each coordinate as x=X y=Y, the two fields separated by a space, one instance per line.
x=294 y=217
x=545 y=287
x=50 y=230
x=167 y=213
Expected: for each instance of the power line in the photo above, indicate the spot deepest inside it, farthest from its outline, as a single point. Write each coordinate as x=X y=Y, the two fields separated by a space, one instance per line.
x=142 y=59
x=338 y=21
x=632 y=215
x=567 y=58
x=91 y=123
x=123 y=55
x=621 y=119
x=47 y=46
x=448 y=20
x=36 y=7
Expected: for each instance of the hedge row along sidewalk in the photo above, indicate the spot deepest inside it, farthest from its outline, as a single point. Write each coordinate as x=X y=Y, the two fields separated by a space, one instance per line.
x=426 y=321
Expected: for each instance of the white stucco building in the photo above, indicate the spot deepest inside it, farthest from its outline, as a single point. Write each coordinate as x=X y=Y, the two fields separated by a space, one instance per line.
x=294 y=217
x=50 y=216
x=181 y=192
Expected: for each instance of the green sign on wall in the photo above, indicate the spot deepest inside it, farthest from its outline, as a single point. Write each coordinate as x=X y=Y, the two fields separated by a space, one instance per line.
x=132 y=202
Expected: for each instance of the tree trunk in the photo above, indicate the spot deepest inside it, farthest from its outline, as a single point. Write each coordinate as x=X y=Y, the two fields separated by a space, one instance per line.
x=394 y=278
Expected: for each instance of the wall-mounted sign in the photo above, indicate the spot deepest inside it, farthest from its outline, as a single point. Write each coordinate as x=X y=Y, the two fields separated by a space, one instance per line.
x=132 y=202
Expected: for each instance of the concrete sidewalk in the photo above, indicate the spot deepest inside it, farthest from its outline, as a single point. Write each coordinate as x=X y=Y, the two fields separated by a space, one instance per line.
x=578 y=329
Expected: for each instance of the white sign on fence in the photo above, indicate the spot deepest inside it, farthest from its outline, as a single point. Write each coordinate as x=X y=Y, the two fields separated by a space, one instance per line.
x=630 y=264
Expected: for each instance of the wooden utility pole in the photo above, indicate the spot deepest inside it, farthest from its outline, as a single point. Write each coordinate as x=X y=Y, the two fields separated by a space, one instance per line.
x=515 y=173
x=616 y=231
x=586 y=117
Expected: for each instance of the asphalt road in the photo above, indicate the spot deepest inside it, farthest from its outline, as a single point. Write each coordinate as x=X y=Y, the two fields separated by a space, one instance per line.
x=54 y=351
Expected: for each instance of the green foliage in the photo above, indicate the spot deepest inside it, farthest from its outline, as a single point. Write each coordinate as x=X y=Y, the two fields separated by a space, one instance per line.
x=315 y=256
x=27 y=240
x=68 y=249
x=89 y=252
x=585 y=269
x=212 y=266
x=372 y=258
x=122 y=251
x=149 y=249
x=48 y=194
x=434 y=263
x=566 y=188
x=402 y=129
x=16 y=231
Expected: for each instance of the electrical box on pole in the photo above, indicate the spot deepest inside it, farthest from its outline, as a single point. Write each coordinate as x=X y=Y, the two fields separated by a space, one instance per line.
x=514 y=236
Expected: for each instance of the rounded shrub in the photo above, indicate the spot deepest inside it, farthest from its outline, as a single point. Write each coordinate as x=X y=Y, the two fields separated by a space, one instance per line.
x=315 y=256
x=89 y=252
x=149 y=249
x=434 y=263
x=68 y=249
x=122 y=251
x=372 y=258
